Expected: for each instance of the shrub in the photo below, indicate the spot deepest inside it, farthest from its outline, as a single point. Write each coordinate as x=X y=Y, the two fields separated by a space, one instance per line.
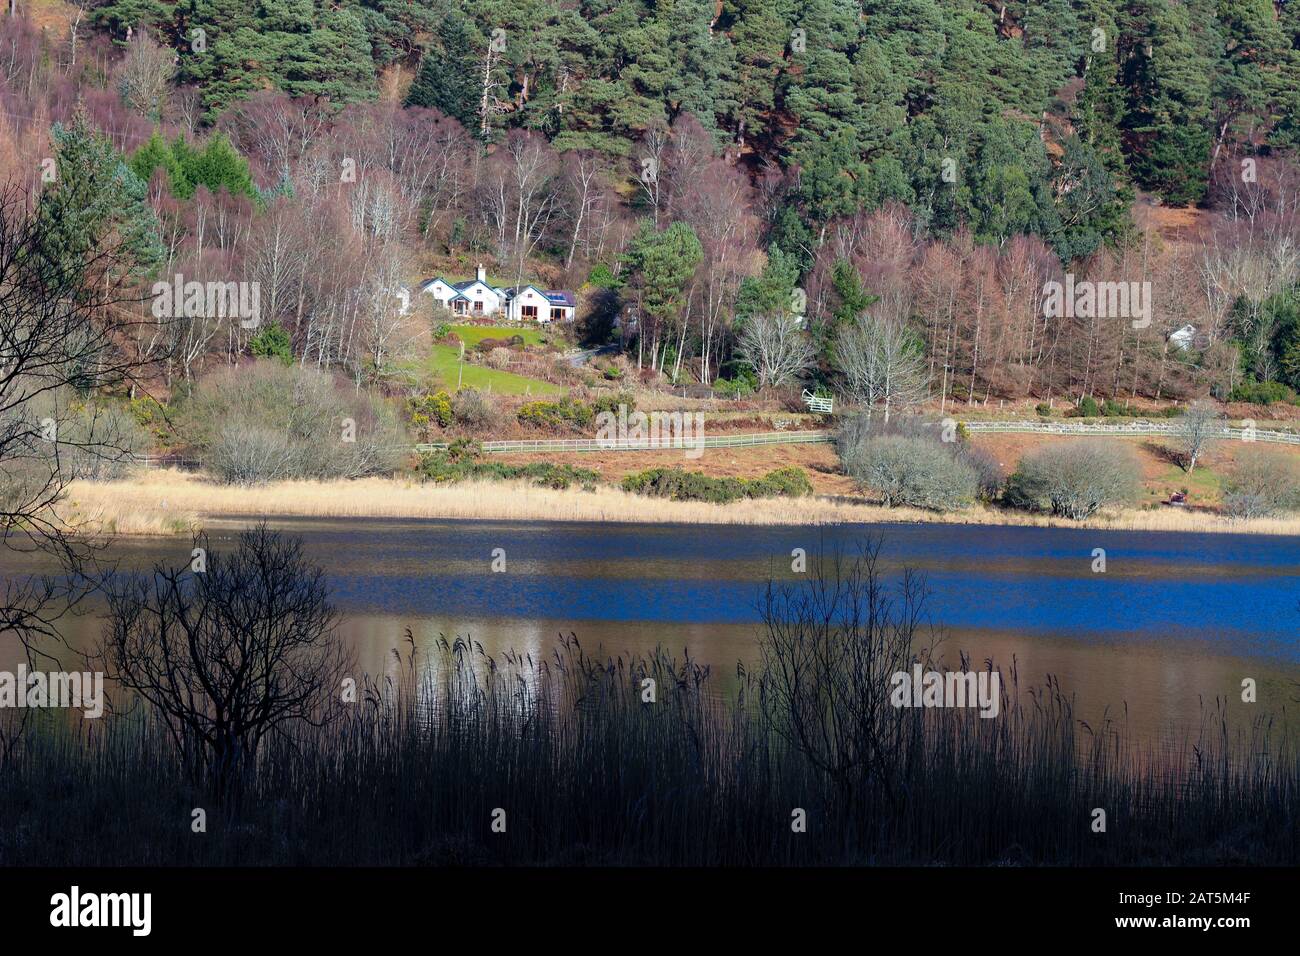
x=93 y=440
x=1043 y=409
x=602 y=275
x=679 y=485
x=150 y=415
x=463 y=449
x=567 y=412
x=462 y=461
x=1264 y=484
x=267 y=422
x=425 y=410
x=988 y=473
x=1261 y=393
x=1075 y=479
x=1087 y=407
x=1172 y=411
x=610 y=403
x=907 y=470
x=1113 y=409
x=272 y=342
x=744 y=382
x=789 y=482
x=473 y=409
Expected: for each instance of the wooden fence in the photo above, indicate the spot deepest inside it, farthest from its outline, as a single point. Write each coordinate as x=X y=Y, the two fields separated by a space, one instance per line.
x=819 y=437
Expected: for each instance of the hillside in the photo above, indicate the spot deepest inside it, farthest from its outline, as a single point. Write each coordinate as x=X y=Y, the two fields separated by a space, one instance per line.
x=912 y=178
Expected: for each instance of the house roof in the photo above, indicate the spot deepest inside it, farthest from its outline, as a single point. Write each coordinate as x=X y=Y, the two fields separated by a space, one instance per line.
x=458 y=286
x=554 y=296
x=515 y=290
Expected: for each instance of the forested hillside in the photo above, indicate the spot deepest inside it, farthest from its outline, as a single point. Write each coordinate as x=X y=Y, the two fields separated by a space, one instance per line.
x=699 y=167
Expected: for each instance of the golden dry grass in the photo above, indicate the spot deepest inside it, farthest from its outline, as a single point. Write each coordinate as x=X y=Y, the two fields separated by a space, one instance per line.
x=167 y=501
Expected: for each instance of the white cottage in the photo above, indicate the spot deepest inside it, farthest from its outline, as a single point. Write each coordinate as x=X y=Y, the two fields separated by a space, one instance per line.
x=1183 y=338
x=475 y=298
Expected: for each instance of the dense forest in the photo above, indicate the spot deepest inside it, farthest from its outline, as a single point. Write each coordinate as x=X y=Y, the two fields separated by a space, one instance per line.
x=698 y=167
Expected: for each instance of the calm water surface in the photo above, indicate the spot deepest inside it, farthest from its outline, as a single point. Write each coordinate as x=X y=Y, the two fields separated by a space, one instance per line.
x=1175 y=621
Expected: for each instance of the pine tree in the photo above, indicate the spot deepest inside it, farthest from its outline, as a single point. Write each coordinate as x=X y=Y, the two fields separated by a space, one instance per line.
x=760 y=31
x=217 y=166
x=447 y=79
x=157 y=153
x=96 y=204
x=1169 y=74
x=771 y=292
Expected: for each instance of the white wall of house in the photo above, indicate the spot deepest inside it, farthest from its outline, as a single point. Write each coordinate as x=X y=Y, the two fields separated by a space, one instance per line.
x=483 y=299
x=1184 y=337
x=529 y=306
x=441 y=291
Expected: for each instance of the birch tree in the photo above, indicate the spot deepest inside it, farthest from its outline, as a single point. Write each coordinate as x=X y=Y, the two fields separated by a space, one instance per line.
x=882 y=363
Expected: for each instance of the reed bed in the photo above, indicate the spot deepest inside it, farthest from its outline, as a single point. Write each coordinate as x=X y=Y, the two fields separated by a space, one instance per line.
x=171 y=501
x=587 y=772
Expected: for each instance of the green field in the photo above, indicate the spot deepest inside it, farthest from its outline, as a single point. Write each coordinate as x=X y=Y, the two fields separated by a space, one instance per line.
x=1204 y=485
x=472 y=335
x=445 y=364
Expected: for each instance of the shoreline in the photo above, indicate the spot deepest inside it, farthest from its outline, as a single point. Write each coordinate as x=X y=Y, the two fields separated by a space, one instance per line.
x=170 y=502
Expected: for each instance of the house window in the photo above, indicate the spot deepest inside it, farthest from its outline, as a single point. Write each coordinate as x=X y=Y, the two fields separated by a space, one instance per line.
x=530 y=312
x=557 y=315
x=478 y=306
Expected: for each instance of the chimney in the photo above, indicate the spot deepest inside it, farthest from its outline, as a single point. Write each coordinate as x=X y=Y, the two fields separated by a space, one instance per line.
x=481 y=275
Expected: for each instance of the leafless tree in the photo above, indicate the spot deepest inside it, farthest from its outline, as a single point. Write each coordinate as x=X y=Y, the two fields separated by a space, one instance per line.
x=1264 y=484
x=59 y=332
x=520 y=199
x=652 y=171
x=225 y=655
x=882 y=363
x=1199 y=425
x=490 y=104
x=145 y=75
x=830 y=649
x=775 y=347
x=390 y=325
x=583 y=171
x=277 y=130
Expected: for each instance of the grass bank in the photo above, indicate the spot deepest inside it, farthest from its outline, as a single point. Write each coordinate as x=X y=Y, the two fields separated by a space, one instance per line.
x=173 y=502
x=446 y=365
x=472 y=335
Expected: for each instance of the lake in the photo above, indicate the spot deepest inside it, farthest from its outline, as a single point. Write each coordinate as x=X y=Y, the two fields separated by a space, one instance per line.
x=1175 y=620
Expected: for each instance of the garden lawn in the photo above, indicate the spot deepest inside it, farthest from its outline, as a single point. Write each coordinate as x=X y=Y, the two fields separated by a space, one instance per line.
x=472 y=335
x=445 y=363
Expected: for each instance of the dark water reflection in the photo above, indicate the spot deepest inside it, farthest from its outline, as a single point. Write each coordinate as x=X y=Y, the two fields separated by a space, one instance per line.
x=1175 y=621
